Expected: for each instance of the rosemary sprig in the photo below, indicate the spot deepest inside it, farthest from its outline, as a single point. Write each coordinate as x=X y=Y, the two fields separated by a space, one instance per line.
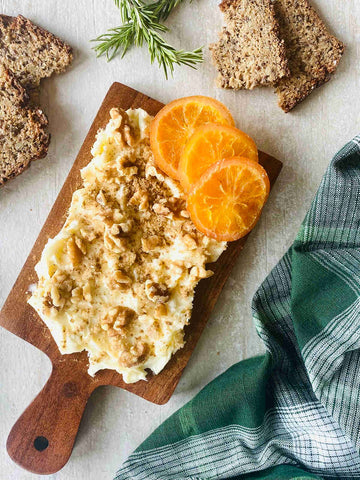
x=142 y=25
x=163 y=8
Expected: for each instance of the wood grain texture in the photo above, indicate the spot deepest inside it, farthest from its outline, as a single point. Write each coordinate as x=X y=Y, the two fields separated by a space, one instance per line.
x=56 y=412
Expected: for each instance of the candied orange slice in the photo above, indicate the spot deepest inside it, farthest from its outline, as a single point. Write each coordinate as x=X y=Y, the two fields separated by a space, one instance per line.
x=209 y=144
x=176 y=122
x=226 y=202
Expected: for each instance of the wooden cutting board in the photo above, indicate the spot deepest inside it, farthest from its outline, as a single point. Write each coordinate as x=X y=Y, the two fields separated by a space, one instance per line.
x=42 y=439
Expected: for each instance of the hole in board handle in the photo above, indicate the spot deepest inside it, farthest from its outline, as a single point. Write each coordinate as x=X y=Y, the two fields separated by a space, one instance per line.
x=41 y=443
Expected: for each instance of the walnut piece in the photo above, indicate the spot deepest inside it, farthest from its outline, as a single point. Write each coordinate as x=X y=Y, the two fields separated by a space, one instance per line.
x=135 y=356
x=190 y=241
x=128 y=258
x=161 y=209
x=124 y=316
x=148 y=244
x=74 y=252
x=100 y=198
x=156 y=292
x=185 y=214
x=113 y=242
x=120 y=277
x=56 y=298
x=123 y=134
x=87 y=292
x=200 y=272
x=140 y=198
x=127 y=226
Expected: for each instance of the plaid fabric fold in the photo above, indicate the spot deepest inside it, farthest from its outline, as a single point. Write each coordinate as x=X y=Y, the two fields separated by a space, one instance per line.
x=293 y=413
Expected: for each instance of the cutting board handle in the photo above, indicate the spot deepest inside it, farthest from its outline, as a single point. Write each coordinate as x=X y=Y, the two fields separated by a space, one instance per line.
x=42 y=439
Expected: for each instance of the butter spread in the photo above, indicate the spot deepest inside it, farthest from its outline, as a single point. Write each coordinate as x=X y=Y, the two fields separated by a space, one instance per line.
x=118 y=279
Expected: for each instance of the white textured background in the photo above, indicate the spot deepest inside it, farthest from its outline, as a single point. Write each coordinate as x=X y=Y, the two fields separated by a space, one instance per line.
x=115 y=421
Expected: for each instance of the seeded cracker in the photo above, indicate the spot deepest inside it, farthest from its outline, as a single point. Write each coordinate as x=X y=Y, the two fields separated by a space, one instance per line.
x=250 y=51
x=313 y=53
x=28 y=53
x=31 y=52
x=22 y=128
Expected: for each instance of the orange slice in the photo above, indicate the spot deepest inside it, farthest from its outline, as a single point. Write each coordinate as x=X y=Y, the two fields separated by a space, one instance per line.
x=175 y=123
x=226 y=202
x=209 y=144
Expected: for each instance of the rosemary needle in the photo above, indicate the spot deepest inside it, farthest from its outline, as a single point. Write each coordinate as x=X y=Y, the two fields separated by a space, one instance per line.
x=142 y=25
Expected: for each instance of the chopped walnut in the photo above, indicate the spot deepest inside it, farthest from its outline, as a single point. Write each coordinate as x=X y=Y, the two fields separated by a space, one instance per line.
x=148 y=244
x=188 y=227
x=135 y=356
x=175 y=204
x=140 y=198
x=118 y=317
x=88 y=235
x=124 y=316
x=121 y=229
x=126 y=160
x=100 y=198
x=64 y=282
x=161 y=209
x=114 y=229
x=128 y=258
x=128 y=360
x=76 y=295
x=123 y=135
x=118 y=217
x=190 y=241
x=48 y=301
x=87 y=292
x=156 y=292
x=113 y=242
x=56 y=298
x=120 y=277
x=74 y=252
x=128 y=171
x=81 y=245
x=59 y=276
x=200 y=272
x=127 y=226
x=110 y=316
x=152 y=171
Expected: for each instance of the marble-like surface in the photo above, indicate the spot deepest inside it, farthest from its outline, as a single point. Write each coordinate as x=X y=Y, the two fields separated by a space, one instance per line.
x=115 y=421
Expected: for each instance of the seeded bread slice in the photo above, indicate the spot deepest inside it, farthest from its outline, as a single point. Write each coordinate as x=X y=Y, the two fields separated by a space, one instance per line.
x=250 y=51
x=31 y=52
x=22 y=128
x=313 y=53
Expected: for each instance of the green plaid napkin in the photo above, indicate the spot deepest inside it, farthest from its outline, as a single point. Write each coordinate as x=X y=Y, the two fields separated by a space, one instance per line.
x=293 y=413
